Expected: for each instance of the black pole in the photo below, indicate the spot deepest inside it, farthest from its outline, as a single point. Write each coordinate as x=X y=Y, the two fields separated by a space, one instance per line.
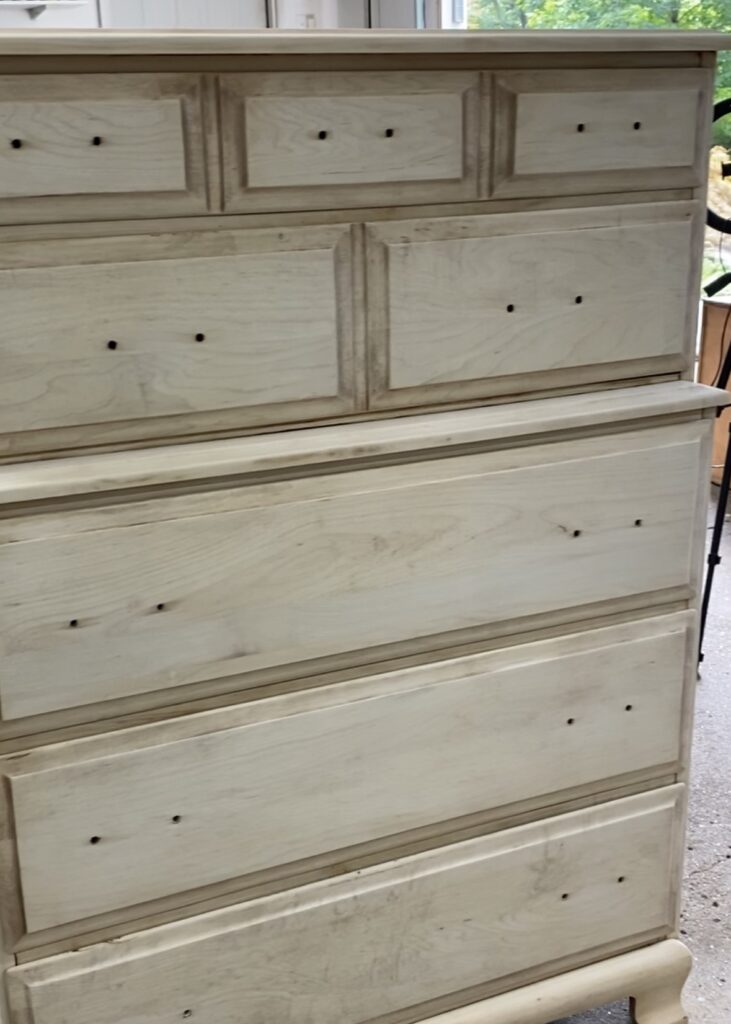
x=713 y=556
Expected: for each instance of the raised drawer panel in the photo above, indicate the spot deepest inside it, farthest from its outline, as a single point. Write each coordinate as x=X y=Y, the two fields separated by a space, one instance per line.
x=82 y=146
x=298 y=141
x=154 y=594
x=352 y=949
x=466 y=307
x=99 y=824
x=175 y=333
x=569 y=132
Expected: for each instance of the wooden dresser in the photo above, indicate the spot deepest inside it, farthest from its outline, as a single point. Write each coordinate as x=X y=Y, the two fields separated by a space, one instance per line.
x=353 y=491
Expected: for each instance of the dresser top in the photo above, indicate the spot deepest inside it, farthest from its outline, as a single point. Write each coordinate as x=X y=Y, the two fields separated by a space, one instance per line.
x=372 y=41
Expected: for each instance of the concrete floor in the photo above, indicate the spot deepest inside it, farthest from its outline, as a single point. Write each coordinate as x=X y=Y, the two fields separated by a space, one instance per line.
x=706 y=921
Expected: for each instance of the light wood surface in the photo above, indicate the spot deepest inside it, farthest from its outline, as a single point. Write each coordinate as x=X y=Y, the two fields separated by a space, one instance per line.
x=471 y=306
x=149 y=156
x=373 y=41
x=421 y=927
x=306 y=140
x=566 y=132
x=655 y=975
x=223 y=794
x=175 y=326
x=411 y=551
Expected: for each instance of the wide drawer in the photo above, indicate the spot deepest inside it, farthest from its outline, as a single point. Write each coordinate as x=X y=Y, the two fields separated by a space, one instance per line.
x=465 y=307
x=84 y=146
x=324 y=140
x=175 y=334
x=447 y=923
x=569 y=132
x=218 y=584
x=99 y=823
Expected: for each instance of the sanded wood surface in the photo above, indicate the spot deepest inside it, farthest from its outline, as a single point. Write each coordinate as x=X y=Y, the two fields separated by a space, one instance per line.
x=353 y=949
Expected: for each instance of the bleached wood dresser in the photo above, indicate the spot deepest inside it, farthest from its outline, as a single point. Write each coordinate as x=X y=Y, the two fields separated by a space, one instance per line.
x=353 y=487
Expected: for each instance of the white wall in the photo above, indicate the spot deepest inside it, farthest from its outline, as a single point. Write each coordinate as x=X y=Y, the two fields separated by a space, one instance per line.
x=184 y=14
x=83 y=16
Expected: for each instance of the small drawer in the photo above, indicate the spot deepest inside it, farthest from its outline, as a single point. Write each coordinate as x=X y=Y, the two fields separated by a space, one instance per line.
x=100 y=146
x=469 y=307
x=299 y=141
x=147 y=336
x=98 y=823
x=569 y=132
x=255 y=579
x=435 y=926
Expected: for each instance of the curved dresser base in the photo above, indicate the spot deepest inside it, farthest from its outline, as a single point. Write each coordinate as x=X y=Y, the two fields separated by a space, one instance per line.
x=652 y=977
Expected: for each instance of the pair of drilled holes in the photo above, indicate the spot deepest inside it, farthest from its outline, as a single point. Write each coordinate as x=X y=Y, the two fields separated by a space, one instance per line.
x=577 y=533
x=112 y=345
x=96 y=140
x=581 y=127
x=627 y=707
x=511 y=306
x=176 y=819
x=388 y=133
x=620 y=880
x=160 y=607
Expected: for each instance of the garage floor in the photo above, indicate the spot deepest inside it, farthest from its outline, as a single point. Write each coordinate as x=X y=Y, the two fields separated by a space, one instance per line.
x=706 y=923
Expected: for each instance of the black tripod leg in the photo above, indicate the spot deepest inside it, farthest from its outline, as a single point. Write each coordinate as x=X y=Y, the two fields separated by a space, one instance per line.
x=713 y=556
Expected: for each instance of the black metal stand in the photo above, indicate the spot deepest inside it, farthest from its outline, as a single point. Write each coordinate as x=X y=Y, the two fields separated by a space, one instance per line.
x=714 y=558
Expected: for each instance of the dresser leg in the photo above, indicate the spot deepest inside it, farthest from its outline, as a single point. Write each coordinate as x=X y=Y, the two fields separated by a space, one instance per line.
x=659 y=1000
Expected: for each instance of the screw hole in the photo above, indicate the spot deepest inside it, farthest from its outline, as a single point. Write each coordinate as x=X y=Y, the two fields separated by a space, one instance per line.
x=580 y=127
x=570 y=721
x=161 y=606
x=200 y=337
x=16 y=143
x=322 y=135
x=389 y=133
x=510 y=307
x=576 y=533
x=564 y=896
x=97 y=140
x=638 y=522
x=579 y=299
x=95 y=839
x=176 y=819
x=187 y=1013
x=112 y=345
x=637 y=125
x=620 y=879
x=73 y=623
x=628 y=707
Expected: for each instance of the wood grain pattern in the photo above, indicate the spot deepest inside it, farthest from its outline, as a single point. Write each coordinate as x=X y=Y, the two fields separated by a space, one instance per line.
x=564 y=132
x=182 y=589
x=298 y=141
x=174 y=326
x=149 y=159
x=473 y=306
x=391 y=753
x=360 y=947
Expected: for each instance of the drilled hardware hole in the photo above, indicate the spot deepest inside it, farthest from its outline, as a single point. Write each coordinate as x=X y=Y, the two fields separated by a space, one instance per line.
x=564 y=896
x=322 y=135
x=97 y=140
x=112 y=345
x=579 y=299
x=200 y=337
x=637 y=125
x=176 y=819
x=638 y=522
x=389 y=133
x=161 y=606
x=580 y=127
x=620 y=879
x=16 y=143
x=570 y=721
x=187 y=1013
x=510 y=307
x=95 y=839
x=628 y=707
x=73 y=623
x=576 y=533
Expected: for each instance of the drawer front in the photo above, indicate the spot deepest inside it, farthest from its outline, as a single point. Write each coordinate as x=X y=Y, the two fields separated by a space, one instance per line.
x=394 y=752
x=466 y=307
x=349 y=950
x=75 y=147
x=175 y=334
x=568 y=132
x=112 y=602
x=298 y=141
